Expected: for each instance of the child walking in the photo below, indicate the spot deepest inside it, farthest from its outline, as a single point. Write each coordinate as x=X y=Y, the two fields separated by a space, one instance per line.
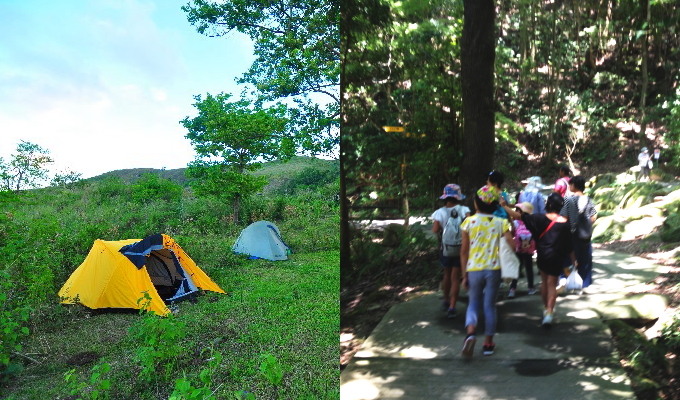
x=480 y=265
x=525 y=246
x=450 y=264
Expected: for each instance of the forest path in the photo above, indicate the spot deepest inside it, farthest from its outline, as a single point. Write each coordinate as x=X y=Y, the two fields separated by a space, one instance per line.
x=415 y=351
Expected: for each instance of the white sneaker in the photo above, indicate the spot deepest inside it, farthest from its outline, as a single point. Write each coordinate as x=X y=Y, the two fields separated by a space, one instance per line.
x=511 y=294
x=469 y=346
x=547 y=318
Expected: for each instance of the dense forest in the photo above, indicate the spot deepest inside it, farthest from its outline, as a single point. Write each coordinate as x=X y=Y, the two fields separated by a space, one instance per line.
x=581 y=83
x=245 y=342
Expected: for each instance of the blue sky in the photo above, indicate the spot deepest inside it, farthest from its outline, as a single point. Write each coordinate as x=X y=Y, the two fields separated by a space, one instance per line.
x=103 y=84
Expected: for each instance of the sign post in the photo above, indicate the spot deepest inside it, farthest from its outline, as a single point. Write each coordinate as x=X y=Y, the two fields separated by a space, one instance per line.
x=657 y=153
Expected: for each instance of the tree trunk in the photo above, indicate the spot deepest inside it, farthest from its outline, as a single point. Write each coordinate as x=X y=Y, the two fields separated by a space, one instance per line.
x=523 y=39
x=404 y=193
x=477 y=64
x=237 y=206
x=553 y=82
x=645 y=79
x=345 y=261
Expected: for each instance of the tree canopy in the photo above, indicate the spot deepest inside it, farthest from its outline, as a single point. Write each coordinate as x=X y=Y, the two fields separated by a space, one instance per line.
x=26 y=168
x=231 y=138
x=297 y=57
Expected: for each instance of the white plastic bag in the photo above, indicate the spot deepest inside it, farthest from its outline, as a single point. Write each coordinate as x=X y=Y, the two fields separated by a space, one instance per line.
x=509 y=260
x=574 y=281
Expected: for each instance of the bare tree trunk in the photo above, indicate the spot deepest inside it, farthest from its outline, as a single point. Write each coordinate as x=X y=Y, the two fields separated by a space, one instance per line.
x=237 y=206
x=552 y=92
x=645 y=78
x=345 y=261
x=404 y=193
x=477 y=64
x=523 y=39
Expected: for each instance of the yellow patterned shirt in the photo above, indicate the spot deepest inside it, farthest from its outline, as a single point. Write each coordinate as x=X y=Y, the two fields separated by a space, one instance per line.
x=485 y=231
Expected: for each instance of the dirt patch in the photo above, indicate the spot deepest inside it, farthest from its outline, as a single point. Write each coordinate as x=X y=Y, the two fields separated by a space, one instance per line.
x=364 y=304
x=84 y=358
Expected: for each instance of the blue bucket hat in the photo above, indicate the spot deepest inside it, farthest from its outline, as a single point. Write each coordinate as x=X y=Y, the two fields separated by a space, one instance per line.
x=452 y=190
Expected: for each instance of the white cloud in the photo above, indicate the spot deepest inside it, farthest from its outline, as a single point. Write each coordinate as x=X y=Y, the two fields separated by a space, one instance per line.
x=105 y=87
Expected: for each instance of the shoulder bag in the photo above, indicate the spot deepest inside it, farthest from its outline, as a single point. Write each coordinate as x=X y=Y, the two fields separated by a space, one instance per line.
x=508 y=258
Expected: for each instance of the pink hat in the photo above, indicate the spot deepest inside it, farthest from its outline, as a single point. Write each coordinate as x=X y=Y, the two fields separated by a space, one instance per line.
x=526 y=207
x=452 y=190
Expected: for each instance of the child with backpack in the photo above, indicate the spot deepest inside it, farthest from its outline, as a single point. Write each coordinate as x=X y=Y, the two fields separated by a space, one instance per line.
x=525 y=246
x=447 y=221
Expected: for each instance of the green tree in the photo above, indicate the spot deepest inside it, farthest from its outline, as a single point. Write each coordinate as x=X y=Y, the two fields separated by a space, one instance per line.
x=26 y=167
x=230 y=139
x=297 y=55
x=66 y=178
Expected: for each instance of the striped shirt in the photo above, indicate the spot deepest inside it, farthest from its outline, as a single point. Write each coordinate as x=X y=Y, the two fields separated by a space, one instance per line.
x=575 y=205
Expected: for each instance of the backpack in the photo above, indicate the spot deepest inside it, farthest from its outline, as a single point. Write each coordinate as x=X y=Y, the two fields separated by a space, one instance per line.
x=584 y=228
x=523 y=239
x=452 y=238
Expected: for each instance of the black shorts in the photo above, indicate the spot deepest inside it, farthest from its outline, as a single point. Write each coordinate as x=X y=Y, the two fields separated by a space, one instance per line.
x=449 y=262
x=552 y=266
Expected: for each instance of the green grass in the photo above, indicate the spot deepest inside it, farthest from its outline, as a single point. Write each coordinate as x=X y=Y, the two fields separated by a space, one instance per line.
x=287 y=309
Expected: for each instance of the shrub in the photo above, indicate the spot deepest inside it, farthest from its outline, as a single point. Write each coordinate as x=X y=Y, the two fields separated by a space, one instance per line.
x=151 y=187
x=160 y=341
x=13 y=319
x=109 y=188
x=98 y=385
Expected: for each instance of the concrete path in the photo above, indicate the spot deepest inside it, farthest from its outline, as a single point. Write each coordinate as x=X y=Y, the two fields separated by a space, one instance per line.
x=414 y=353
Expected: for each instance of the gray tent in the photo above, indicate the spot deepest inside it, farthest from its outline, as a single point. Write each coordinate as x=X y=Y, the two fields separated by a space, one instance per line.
x=262 y=239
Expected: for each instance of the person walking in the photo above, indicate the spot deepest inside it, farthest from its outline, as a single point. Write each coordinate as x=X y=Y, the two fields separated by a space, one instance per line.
x=576 y=208
x=562 y=183
x=643 y=162
x=452 y=197
x=553 y=244
x=525 y=247
x=480 y=266
x=532 y=194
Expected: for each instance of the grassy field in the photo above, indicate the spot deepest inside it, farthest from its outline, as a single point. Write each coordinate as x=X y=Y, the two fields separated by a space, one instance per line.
x=289 y=310
x=274 y=335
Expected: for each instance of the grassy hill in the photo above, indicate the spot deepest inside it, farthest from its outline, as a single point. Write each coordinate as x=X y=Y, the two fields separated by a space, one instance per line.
x=273 y=335
x=278 y=172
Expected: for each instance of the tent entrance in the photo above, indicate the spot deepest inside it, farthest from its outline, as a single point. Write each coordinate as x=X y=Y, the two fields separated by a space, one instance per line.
x=167 y=275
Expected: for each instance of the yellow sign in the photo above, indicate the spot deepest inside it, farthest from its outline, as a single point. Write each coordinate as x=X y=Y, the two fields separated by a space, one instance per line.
x=393 y=128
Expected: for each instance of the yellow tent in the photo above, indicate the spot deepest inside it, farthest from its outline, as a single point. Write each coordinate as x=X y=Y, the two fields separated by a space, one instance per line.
x=116 y=274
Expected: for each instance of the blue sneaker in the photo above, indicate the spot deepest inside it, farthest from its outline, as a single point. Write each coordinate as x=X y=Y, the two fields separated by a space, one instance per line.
x=452 y=313
x=445 y=305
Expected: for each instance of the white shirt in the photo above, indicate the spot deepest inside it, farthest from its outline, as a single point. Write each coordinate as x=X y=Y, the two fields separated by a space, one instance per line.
x=643 y=158
x=442 y=215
